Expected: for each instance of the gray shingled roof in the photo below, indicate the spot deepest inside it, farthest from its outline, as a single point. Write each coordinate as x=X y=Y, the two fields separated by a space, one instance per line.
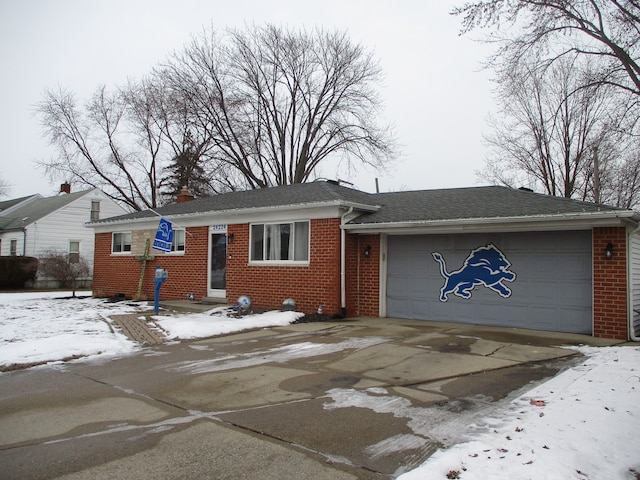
x=385 y=208
x=35 y=210
x=283 y=196
x=7 y=204
x=471 y=203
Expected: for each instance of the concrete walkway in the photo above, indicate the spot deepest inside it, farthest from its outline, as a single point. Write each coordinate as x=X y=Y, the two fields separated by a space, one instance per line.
x=139 y=328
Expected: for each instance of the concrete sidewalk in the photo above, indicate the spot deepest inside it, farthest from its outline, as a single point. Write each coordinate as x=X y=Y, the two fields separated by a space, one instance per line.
x=359 y=398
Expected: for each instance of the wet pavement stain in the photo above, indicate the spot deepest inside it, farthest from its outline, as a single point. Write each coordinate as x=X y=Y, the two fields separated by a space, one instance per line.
x=318 y=383
x=450 y=344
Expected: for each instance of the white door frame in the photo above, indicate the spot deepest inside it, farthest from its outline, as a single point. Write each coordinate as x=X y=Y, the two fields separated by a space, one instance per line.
x=220 y=229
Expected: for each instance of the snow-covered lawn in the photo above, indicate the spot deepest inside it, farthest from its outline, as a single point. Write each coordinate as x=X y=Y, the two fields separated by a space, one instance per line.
x=39 y=327
x=582 y=424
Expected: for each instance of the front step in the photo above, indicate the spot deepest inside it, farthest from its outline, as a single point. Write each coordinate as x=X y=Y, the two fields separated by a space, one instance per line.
x=213 y=301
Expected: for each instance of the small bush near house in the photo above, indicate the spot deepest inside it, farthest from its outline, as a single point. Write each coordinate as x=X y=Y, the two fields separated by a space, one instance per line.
x=15 y=271
x=60 y=267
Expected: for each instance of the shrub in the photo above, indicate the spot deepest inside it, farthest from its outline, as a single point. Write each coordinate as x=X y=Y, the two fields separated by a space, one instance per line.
x=60 y=267
x=15 y=271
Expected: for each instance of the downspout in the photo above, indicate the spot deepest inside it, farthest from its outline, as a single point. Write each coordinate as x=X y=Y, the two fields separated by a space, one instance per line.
x=24 y=241
x=343 y=263
x=632 y=334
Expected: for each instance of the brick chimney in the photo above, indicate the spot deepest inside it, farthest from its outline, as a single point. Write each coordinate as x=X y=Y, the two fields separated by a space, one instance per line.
x=185 y=195
x=65 y=188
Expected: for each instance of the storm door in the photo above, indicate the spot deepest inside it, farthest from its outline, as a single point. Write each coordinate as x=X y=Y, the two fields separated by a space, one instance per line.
x=218 y=263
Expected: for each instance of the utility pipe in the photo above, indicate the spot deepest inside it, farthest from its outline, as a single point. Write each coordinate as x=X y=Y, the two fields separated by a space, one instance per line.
x=343 y=263
x=630 y=286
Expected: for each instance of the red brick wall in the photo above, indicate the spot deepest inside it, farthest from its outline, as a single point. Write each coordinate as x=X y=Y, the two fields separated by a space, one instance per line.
x=121 y=273
x=363 y=275
x=610 y=316
x=309 y=285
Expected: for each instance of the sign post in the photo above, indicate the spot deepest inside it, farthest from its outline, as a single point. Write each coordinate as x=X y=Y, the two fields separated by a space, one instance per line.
x=160 y=277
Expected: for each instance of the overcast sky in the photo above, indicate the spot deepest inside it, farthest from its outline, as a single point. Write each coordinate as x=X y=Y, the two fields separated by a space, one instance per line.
x=435 y=92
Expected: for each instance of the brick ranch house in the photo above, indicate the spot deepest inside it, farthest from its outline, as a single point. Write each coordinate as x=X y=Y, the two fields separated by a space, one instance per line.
x=482 y=255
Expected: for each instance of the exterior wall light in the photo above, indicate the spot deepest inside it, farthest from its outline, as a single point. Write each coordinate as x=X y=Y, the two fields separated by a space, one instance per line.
x=367 y=250
x=229 y=237
x=608 y=251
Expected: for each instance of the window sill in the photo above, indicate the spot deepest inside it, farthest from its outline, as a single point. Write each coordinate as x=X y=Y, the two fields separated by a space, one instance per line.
x=276 y=263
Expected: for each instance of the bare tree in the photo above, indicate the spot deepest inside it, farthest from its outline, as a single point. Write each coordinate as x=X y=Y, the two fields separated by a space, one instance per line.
x=244 y=110
x=570 y=131
x=545 y=30
x=97 y=145
x=277 y=103
x=549 y=129
x=4 y=188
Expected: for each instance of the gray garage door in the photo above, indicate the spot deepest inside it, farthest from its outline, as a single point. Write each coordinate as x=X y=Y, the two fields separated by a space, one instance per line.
x=538 y=280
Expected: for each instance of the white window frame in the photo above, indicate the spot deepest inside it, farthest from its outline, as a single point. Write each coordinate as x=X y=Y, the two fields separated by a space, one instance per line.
x=179 y=241
x=294 y=249
x=122 y=244
x=13 y=247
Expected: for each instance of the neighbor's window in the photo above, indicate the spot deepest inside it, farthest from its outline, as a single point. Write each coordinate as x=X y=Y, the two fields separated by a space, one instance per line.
x=95 y=210
x=121 y=242
x=13 y=248
x=177 y=245
x=74 y=252
x=280 y=242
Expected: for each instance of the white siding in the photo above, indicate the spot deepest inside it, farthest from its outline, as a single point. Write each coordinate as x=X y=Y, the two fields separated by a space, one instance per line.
x=5 y=243
x=56 y=230
x=634 y=265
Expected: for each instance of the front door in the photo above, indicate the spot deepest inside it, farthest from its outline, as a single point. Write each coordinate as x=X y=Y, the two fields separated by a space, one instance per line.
x=218 y=264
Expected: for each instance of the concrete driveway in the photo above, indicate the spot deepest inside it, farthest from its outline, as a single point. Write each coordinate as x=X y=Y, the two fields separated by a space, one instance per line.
x=360 y=398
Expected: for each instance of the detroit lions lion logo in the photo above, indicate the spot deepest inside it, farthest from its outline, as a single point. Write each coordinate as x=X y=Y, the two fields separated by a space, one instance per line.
x=484 y=266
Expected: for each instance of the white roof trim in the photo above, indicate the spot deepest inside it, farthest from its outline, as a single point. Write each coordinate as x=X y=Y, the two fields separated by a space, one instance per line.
x=577 y=221
x=237 y=212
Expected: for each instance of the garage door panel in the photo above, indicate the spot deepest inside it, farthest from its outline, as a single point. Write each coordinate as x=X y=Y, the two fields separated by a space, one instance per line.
x=552 y=289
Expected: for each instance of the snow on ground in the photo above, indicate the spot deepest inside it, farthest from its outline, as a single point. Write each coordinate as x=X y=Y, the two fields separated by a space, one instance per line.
x=582 y=424
x=217 y=322
x=40 y=327
x=45 y=327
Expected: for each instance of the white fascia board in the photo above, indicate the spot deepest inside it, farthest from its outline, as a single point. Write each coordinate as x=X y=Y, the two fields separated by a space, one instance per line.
x=287 y=213
x=579 y=221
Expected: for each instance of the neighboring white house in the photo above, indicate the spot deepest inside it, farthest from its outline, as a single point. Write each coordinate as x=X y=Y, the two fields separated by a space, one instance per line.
x=33 y=225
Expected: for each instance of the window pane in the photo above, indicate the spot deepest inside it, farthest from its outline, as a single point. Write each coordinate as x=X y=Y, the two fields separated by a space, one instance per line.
x=272 y=240
x=116 y=245
x=257 y=242
x=301 y=241
x=278 y=241
x=95 y=210
x=121 y=242
x=74 y=252
x=177 y=245
x=126 y=247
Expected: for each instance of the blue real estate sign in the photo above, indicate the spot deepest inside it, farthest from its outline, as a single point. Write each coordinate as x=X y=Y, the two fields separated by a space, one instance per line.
x=164 y=236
